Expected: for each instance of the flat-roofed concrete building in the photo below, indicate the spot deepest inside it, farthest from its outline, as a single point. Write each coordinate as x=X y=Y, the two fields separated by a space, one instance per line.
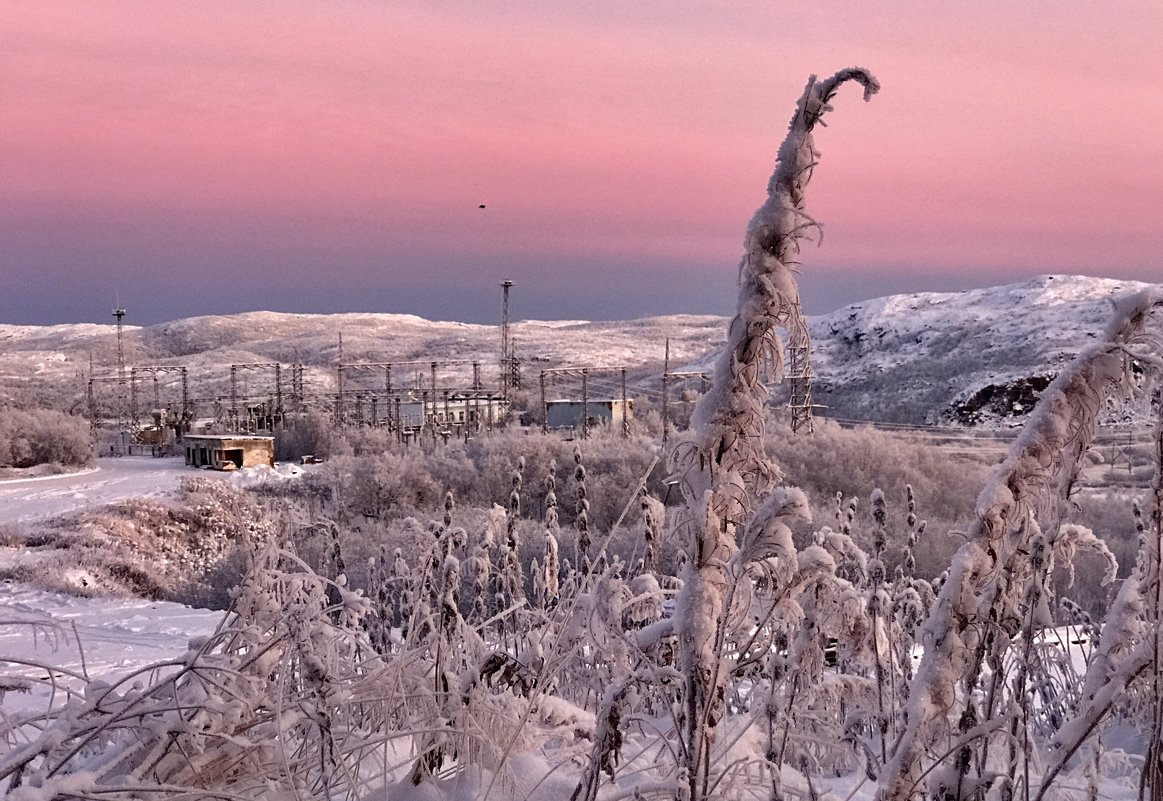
x=229 y=451
x=568 y=413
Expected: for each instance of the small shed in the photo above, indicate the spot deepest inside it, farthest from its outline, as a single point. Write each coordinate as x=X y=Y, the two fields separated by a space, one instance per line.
x=568 y=413
x=229 y=451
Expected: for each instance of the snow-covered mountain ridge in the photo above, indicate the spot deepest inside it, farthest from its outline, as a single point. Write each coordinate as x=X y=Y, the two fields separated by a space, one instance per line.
x=972 y=357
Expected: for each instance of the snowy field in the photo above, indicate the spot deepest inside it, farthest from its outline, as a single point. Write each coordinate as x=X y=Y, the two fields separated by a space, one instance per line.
x=99 y=637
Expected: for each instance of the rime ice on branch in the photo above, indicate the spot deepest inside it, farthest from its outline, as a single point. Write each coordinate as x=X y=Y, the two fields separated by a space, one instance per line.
x=722 y=462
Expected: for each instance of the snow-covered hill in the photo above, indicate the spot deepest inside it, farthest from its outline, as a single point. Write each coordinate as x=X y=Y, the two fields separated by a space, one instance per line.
x=976 y=356
x=968 y=357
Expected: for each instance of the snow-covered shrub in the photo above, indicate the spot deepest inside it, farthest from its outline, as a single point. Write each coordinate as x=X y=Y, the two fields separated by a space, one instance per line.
x=43 y=436
x=386 y=485
x=856 y=461
x=411 y=482
x=312 y=433
x=613 y=466
x=187 y=550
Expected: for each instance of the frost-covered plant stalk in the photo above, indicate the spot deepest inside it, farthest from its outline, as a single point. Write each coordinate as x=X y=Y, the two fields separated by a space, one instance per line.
x=379 y=619
x=512 y=577
x=518 y=478
x=722 y=462
x=911 y=598
x=550 y=583
x=915 y=530
x=582 y=520
x=448 y=646
x=653 y=517
x=847 y=516
x=399 y=590
x=480 y=564
x=878 y=604
x=980 y=607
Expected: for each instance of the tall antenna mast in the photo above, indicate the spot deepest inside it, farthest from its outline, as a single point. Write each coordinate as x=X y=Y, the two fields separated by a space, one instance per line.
x=506 y=344
x=119 y=313
x=665 y=387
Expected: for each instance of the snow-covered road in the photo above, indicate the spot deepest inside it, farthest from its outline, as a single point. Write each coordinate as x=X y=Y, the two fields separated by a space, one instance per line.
x=24 y=500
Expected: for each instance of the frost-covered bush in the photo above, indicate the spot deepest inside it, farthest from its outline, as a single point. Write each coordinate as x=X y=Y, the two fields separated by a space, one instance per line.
x=411 y=481
x=387 y=485
x=855 y=461
x=614 y=466
x=186 y=550
x=43 y=436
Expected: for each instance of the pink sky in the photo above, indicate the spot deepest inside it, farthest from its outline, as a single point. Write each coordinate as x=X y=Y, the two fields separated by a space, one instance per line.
x=211 y=157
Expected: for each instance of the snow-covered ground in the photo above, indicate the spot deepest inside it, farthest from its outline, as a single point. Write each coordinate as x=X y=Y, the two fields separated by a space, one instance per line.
x=104 y=638
x=100 y=637
x=25 y=500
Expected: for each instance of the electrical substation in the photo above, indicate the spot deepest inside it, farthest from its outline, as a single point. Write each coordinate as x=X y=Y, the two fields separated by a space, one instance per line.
x=152 y=408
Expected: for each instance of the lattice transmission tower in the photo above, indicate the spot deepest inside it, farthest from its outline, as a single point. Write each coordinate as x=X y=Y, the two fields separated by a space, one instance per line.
x=799 y=367
x=510 y=367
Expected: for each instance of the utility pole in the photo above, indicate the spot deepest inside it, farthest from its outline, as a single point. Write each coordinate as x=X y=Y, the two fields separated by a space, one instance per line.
x=92 y=403
x=665 y=399
x=625 y=408
x=544 y=406
x=339 y=383
x=585 y=421
x=119 y=314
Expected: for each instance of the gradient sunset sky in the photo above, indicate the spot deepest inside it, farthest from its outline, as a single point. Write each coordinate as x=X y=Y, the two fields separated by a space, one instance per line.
x=215 y=157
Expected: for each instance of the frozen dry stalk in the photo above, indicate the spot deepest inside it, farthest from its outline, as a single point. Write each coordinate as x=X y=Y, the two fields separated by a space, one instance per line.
x=582 y=520
x=722 y=461
x=550 y=584
x=991 y=574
